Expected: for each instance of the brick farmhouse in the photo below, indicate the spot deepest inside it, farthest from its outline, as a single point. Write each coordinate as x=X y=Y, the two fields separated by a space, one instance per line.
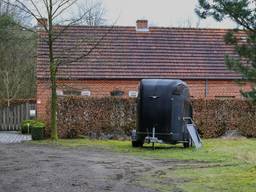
x=103 y=61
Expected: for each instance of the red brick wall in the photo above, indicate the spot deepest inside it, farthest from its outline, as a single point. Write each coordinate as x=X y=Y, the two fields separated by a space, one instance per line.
x=100 y=88
x=225 y=88
x=42 y=97
x=215 y=88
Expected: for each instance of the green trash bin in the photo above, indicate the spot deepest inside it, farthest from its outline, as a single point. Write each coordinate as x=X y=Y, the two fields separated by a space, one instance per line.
x=37 y=130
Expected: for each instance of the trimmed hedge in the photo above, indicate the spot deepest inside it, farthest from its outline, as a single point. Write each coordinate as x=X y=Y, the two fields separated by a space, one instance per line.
x=32 y=124
x=215 y=117
x=95 y=116
x=117 y=116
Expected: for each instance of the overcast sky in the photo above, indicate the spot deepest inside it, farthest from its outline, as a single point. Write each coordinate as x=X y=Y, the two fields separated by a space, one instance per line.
x=162 y=13
x=168 y=13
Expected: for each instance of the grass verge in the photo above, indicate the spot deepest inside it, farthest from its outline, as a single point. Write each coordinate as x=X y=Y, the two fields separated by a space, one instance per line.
x=228 y=165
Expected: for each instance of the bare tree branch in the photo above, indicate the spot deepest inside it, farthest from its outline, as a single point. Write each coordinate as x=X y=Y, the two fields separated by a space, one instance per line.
x=24 y=8
x=54 y=10
x=65 y=27
x=95 y=13
x=55 y=13
x=36 y=8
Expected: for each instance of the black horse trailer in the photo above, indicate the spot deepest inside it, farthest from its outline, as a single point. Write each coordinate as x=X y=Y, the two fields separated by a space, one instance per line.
x=163 y=112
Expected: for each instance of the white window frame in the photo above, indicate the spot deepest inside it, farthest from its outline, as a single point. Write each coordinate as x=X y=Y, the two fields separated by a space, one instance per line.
x=59 y=92
x=133 y=93
x=86 y=93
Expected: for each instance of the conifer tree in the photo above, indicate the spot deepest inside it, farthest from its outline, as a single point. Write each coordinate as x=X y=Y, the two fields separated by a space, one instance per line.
x=243 y=13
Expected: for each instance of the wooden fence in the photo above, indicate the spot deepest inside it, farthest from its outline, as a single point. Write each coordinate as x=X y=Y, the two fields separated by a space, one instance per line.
x=11 y=117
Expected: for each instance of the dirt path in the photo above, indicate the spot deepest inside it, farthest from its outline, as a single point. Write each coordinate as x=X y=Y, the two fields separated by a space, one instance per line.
x=34 y=168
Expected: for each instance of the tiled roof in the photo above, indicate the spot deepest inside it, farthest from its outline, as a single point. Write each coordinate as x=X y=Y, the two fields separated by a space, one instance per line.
x=123 y=53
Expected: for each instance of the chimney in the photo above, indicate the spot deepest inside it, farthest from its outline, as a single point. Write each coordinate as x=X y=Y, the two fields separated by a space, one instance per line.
x=42 y=23
x=142 y=26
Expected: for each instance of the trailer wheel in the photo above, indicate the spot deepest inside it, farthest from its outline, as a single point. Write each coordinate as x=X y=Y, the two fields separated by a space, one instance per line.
x=137 y=143
x=188 y=144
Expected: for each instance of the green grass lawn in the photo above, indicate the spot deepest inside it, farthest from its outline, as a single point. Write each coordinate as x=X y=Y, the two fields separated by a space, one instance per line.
x=227 y=165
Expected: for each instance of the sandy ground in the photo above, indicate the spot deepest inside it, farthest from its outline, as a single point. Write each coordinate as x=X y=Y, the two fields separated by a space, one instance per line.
x=36 y=168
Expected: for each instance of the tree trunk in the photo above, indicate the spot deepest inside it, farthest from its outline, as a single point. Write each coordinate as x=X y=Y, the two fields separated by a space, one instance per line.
x=54 y=132
x=53 y=71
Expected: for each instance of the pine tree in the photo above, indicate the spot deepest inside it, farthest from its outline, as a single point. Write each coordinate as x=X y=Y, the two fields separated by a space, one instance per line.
x=243 y=13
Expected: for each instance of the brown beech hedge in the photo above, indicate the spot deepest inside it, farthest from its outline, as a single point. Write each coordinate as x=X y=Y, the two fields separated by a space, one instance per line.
x=95 y=116
x=117 y=116
x=215 y=117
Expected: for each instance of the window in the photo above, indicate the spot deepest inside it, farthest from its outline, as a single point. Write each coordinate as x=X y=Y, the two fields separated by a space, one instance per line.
x=224 y=97
x=86 y=93
x=133 y=93
x=72 y=92
x=59 y=93
x=243 y=38
x=117 y=93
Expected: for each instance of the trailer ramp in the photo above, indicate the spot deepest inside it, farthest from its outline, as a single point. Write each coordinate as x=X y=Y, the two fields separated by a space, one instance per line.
x=194 y=135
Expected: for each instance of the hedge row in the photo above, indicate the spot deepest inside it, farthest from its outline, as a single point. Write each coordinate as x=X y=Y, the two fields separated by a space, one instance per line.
x=97 y=116
x=94 y=117
x=215 y=117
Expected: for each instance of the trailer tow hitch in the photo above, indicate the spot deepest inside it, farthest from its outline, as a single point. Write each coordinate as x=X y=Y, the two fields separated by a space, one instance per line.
x=153 y=139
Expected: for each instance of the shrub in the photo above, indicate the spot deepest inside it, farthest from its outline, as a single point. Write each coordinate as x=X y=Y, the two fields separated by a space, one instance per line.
x=38 y=124
x=27 y=125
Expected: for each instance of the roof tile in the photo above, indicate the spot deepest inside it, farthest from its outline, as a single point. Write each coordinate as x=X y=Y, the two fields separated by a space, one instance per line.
x=121 y=52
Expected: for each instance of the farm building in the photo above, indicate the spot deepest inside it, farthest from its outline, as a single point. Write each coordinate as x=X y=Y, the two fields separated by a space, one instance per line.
x=111 y=60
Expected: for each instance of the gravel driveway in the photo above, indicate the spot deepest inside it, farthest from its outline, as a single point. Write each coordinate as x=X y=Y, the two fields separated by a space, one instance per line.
x=45 y=168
